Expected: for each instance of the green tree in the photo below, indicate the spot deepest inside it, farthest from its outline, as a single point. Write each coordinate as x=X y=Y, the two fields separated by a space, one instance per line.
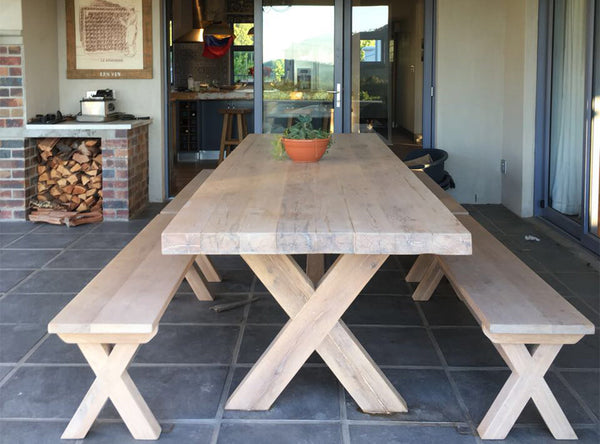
x=240 y=30
x=279 y=70
x=364 y=43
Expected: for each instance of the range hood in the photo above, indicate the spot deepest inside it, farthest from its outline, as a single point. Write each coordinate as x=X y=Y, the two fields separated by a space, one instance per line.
x=199 y=24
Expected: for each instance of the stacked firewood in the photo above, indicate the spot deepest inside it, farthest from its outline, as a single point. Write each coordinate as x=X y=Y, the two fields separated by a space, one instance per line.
x=70 y=174
x=69 y=181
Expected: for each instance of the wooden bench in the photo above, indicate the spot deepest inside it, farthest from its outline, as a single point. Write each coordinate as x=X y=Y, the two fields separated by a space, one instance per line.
x=418 y=269
x=188 y=191
x=515 y=307
x=173 y=207
x=115 y=313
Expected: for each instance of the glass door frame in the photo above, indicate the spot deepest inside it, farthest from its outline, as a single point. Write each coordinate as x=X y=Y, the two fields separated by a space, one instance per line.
x=258 y=65
x=543 y=122
x=343 y=68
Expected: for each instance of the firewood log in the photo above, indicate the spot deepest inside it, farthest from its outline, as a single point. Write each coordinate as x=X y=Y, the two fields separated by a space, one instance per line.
x=78 y=189
x=48 y=144
x=80 y=158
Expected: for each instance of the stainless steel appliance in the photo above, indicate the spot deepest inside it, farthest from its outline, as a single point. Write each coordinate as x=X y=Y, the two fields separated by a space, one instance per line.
x=98 y=106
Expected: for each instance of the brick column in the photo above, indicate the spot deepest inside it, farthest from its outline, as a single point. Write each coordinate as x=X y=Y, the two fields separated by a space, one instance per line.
x=11 y=86
x=17 y=155
x=125 y=173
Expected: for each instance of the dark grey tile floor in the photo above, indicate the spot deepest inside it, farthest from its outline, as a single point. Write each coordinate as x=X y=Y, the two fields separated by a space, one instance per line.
x=433 y=352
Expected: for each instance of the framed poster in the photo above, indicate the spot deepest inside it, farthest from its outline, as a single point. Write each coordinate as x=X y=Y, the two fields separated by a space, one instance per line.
x=109 y=39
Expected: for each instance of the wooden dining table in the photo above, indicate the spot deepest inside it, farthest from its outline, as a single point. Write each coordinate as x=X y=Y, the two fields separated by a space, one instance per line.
x=361 y=203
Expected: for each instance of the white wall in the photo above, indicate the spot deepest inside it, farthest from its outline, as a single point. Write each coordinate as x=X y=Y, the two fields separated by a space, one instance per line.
x=10 y=17
x=142 y=97
x=470 y=94
x=40 y=39
x=485 y=108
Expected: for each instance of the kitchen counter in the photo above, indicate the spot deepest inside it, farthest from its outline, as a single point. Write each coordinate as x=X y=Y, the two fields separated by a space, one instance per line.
x=236 y=94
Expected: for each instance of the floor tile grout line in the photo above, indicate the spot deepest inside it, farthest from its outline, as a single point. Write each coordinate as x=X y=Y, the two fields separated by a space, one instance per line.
x=442 y=358
x=24 y=358
x=574 y=293
x=232 y=368
x=578 y=398
x=345 y=428
x=37 y=270
x=251 y=364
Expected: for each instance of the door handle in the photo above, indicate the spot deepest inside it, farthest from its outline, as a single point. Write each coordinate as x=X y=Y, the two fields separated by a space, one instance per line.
x=338 y=95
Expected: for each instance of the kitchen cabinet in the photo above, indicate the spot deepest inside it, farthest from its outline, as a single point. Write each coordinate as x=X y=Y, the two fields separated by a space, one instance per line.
x=198 y=126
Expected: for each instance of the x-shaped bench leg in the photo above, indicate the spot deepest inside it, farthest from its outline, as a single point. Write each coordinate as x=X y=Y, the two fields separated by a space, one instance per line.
x=112 y=381
x=197 y=282
x=315 y=324
x=526 y=382
x=207 y=268
x=429 y=279
x=417 y=271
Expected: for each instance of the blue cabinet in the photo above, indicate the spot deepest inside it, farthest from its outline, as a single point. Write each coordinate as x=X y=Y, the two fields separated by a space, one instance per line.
x=199 y=123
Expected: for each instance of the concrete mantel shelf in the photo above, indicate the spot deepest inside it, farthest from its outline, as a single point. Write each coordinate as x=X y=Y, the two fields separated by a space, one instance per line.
x=58 y=129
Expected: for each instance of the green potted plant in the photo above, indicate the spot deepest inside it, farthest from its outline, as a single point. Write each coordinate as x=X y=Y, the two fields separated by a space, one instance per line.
x=302 y=142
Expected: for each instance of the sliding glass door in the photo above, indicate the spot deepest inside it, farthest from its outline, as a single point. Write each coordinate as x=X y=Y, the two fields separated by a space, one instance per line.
x=387 y=69
x=298 y=69
x=572 y=157
x=352 y=65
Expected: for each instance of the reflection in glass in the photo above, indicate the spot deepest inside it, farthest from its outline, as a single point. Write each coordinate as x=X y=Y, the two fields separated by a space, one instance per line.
x=595 y=151
x=387 y=69
x=298 y=67
x=568 y=105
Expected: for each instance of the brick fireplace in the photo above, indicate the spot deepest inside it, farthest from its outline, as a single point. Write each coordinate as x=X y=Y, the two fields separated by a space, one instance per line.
x=124 y=149
x=124 y=146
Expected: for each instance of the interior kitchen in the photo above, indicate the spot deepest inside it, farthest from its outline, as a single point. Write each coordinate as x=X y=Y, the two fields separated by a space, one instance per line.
x=211 y=71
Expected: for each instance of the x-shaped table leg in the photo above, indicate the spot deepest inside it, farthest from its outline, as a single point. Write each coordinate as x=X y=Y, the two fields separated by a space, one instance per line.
x=315 y=324
x=112 y=381
x=526 y=382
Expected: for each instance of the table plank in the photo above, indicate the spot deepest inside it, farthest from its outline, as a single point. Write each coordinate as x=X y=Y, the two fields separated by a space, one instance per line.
x=359 y=199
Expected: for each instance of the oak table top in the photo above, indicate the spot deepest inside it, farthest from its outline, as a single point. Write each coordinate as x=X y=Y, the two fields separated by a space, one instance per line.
x=359 y=199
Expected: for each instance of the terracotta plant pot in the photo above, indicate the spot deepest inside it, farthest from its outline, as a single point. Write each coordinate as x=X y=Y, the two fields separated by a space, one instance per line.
x=305 y=150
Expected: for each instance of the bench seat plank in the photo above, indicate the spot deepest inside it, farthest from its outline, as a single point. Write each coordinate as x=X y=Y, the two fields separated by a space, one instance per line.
x=450 y=203
x=125 y=297
x=184 y=195
x=505 y=295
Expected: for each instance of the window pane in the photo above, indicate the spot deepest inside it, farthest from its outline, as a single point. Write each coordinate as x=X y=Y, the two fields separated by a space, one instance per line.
x=568 y=107
x=298 y=64
x=240 y=31
x=243 y=66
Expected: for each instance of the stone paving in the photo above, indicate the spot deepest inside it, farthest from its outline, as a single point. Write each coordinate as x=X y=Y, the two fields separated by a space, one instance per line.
x=433 y=352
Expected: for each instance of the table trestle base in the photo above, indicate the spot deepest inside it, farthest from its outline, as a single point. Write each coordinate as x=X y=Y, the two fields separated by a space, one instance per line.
x=315 y=325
